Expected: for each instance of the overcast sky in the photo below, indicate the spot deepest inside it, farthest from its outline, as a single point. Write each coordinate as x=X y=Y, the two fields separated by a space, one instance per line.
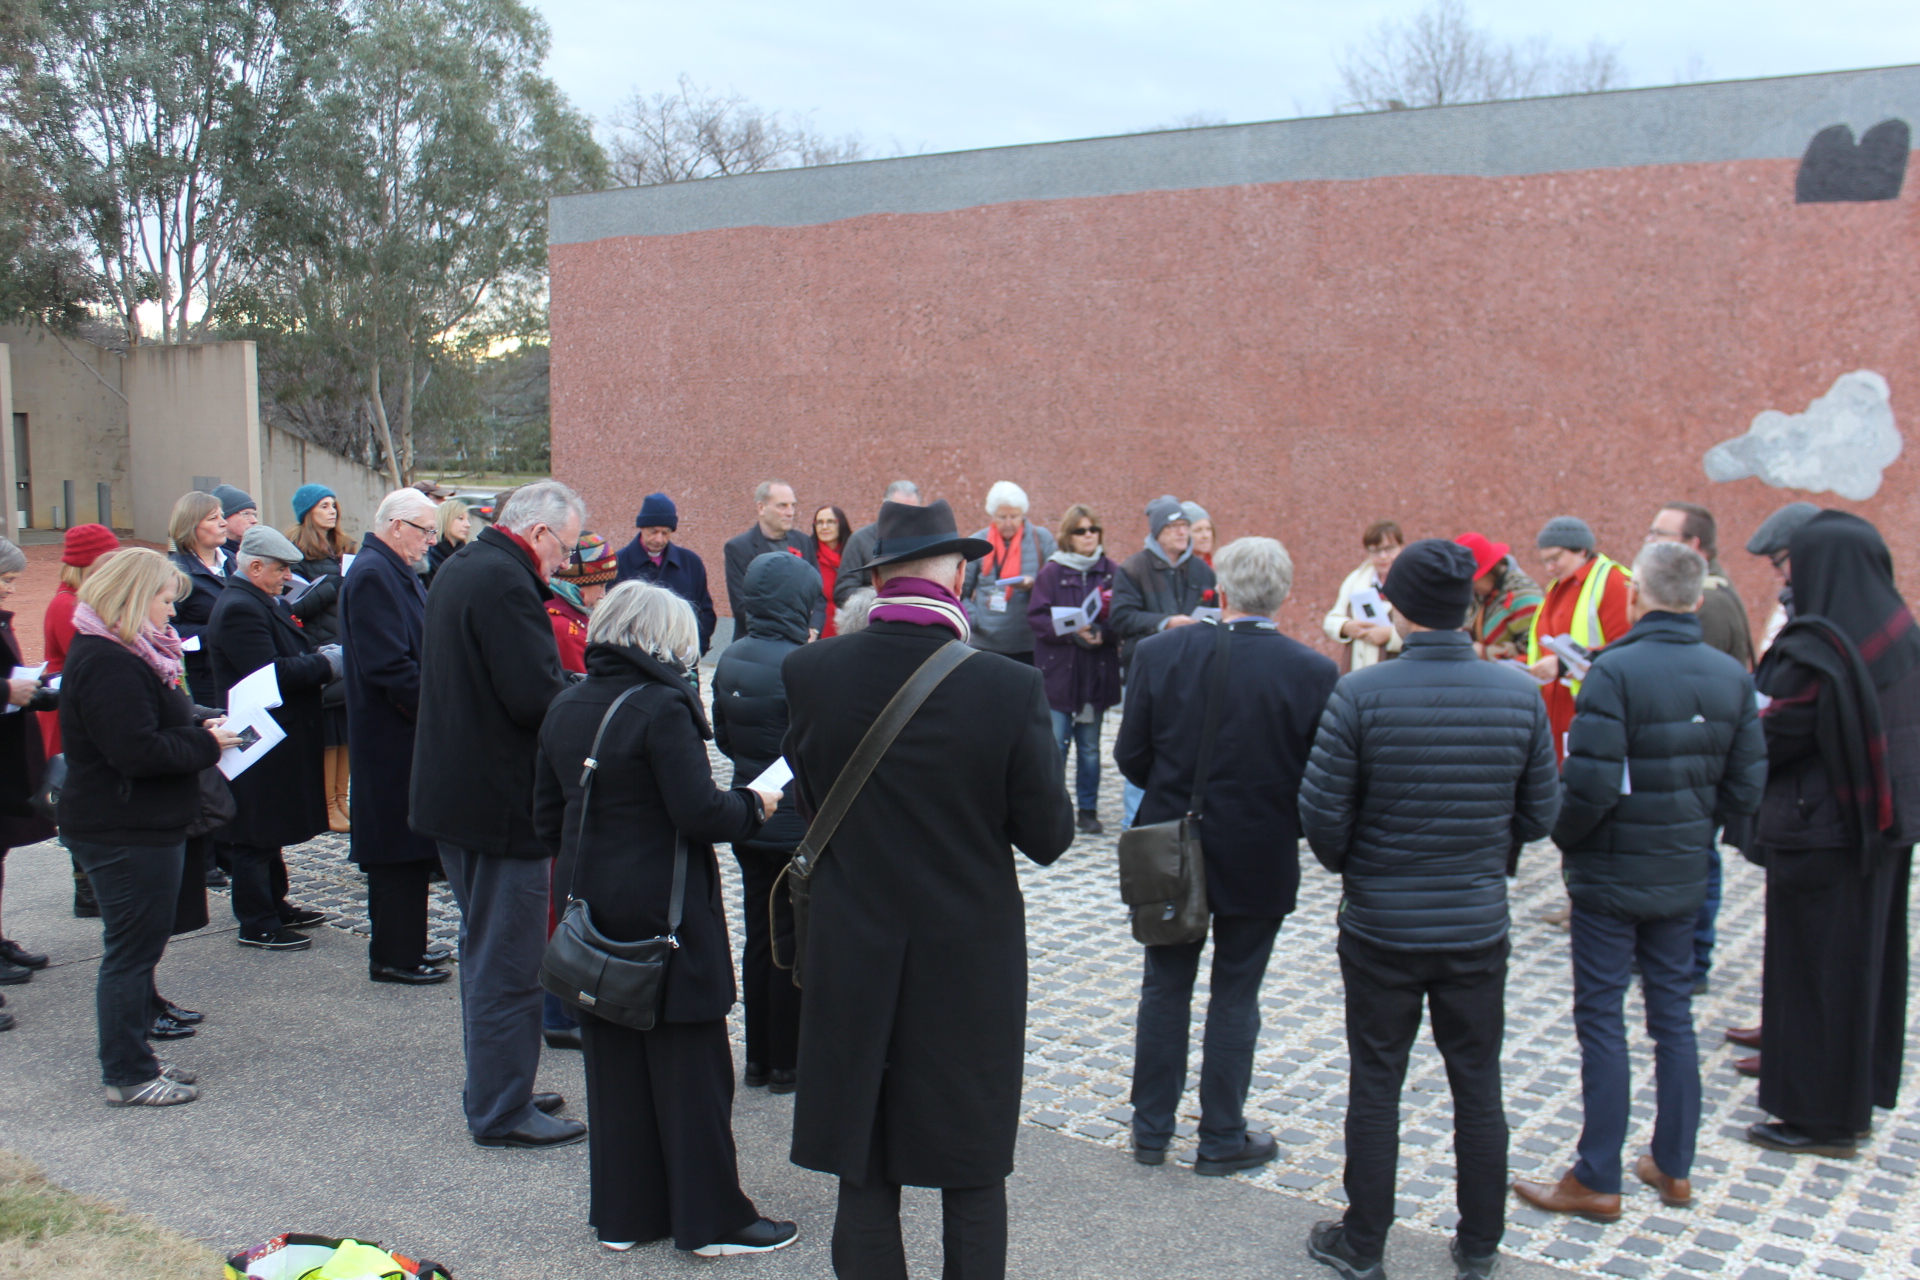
x=939 y=76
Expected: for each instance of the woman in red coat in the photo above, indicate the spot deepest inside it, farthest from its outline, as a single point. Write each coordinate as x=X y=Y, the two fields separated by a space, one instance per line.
x=86 y=545
x=830 y=534
x=576 y=589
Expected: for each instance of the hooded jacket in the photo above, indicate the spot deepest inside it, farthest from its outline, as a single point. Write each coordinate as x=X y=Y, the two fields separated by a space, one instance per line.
x=749 y=695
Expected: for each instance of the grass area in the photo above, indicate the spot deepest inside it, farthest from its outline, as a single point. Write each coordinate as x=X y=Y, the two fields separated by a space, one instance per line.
x=49 y=1233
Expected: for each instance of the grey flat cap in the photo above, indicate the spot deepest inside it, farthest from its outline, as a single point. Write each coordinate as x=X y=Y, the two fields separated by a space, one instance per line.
x=265 y=540
x=1570 y=532
x=1777 y=530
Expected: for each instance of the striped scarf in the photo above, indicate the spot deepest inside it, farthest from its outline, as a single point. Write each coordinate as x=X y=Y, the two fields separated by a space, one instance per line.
x=920 y=601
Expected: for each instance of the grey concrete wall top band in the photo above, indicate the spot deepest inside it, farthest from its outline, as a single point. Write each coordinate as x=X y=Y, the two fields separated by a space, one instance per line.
x=1731 y=120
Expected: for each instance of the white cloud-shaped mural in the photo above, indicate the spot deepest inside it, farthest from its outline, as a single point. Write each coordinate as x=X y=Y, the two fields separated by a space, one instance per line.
x=1841 y=444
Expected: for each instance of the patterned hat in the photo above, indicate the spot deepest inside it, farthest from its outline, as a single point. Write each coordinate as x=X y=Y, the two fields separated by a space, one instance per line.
x=592 y=562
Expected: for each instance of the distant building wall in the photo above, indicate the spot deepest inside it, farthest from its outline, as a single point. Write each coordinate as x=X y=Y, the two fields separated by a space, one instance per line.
x=287 y=462
x=68 y=392
x=191 y=411
x=1461 y=318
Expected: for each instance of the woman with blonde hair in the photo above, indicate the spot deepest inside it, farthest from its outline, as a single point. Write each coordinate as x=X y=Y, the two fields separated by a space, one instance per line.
x=198 y=533
x=134 y=758
x=318 y=535
x=453 y=520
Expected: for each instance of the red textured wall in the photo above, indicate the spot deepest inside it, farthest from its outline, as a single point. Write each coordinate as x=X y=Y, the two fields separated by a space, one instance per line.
x=1301 y=358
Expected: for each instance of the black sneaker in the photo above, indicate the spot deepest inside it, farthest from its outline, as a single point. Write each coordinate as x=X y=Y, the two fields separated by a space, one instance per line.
x=301 y=918
x=217 y=879
x=758 y=1237
x=165 y=1028
x=1468 y=1267
x=1089 y=823
x=1327 y=1245
x=278 y=940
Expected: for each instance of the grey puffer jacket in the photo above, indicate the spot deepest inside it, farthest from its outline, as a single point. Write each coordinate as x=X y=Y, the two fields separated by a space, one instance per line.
x=1665 y=746
x=1427 y=775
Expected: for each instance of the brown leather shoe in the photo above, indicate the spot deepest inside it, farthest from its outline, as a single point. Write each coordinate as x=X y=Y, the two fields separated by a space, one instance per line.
x=1569 y=1196
x=1745 y=1037
x=1675 y=1193
x=1748 y=1066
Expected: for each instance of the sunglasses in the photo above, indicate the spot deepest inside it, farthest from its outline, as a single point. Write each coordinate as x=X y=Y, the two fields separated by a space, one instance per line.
x=1085 y=528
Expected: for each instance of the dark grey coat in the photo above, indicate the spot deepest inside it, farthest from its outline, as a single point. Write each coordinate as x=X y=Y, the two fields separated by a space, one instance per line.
x=749 y=696
x=282 y=796
x=1147 y=591
x=383 y=616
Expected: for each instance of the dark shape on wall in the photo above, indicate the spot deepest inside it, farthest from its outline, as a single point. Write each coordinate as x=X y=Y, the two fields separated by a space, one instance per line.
x=1835 y=170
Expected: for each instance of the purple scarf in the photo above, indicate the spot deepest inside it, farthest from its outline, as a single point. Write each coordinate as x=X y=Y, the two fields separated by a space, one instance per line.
x=922 y=601
x=158 y=649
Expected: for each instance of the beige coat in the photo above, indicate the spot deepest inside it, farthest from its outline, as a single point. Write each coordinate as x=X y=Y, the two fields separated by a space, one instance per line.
x=1361 y=654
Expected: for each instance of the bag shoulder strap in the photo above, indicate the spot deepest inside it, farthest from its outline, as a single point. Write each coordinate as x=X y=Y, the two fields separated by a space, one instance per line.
x=879 y=736
x=1210 y=727
x=588 y=769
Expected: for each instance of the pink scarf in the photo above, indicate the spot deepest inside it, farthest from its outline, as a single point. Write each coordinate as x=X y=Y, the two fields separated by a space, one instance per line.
x=157 y=648
x=922 y=601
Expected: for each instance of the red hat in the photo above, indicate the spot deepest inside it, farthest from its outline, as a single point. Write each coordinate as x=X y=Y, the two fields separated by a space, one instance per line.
x=86 y=543
x=1486 y=554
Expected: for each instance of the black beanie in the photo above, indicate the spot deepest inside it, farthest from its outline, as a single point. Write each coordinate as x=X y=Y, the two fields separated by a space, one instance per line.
x=1431 y=583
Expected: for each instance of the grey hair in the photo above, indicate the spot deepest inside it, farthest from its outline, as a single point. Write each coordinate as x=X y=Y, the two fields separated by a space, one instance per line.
x=243 y=560
x=640 y=615
x=764 y=490
x=400 y=504
x=933 y=568
x=899 y=487
x=12 y=558
x=1670 y=575
x=546 y=502
x=1255 y=574
x=852 y=616
x=1005 y=493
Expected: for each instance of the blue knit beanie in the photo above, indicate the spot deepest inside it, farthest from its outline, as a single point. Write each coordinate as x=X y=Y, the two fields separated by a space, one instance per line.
x=306 y=496
x=657 y=512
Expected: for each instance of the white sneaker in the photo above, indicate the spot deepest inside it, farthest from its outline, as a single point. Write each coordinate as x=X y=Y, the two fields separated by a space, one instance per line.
x=618 y=1246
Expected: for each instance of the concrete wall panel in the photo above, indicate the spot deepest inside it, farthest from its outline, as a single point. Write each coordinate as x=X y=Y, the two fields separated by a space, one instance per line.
x=191 y=411
x=287 y=462
x=70 y=391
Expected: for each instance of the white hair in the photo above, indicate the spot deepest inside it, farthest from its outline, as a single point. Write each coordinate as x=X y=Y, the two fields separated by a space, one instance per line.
x=546 y=502
x=933 y=568
x=899 y=487
x=1670 y=575
x=400 y=504
x=852 y=616
x=1255 y=574
x=1005 y=493
x=244 y=560
x=641 y=615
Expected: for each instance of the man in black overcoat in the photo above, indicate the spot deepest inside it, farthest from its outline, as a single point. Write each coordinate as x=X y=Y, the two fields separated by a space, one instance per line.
x=383 y=616
x=912 y=1032
x=775 y=508
x=489 y=670
x=1249 y=832
x=281 y=798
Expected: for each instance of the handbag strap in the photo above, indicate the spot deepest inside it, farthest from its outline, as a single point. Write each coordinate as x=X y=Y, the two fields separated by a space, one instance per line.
x=879 y=736
x=1210 y=727
x=588 y=769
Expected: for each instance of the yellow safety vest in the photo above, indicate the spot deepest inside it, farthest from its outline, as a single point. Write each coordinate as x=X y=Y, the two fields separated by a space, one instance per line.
x=1586 y=630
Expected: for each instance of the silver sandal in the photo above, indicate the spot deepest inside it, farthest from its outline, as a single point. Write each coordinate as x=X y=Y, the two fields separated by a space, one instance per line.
x=179 y=1075
x=157 y=1092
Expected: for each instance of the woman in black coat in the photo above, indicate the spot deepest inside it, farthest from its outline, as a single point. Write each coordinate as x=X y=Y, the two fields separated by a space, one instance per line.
x=749 y=725
x=324 y=547
x=198 y=533
x=383 y=614
x=134 y=758
x=280 y=797
x=660 y=1101
x=22 y=763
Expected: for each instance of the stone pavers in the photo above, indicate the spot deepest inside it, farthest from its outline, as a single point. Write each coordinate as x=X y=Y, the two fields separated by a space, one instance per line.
x=1757 y=1214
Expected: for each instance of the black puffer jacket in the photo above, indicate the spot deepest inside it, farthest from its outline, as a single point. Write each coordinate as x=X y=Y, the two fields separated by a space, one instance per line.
x=1665 y=746
x=1148 y=590
x=1427 y=775
x=749 y=696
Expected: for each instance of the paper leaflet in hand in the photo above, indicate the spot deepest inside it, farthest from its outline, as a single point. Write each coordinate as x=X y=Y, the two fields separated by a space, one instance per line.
x=1007 y=582
x=1068 y=621
x=1369 y=606
x=1205 y=613
x=775 y=778
x=1524 y=669
x=25 y=673
x=190 y=645
x=1574 y=660
x=249 y=716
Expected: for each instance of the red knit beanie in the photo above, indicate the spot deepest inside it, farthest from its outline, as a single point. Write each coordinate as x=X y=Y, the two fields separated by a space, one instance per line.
x=87 y=543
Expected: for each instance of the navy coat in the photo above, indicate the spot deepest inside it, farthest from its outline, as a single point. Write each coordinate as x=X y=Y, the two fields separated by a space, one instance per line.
x=679 y=571
x=282 y=797
x=191 y=613
x=1250 y=819
x=383 y=619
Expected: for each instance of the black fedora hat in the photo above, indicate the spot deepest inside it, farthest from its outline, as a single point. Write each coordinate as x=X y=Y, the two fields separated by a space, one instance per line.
x=908 y=532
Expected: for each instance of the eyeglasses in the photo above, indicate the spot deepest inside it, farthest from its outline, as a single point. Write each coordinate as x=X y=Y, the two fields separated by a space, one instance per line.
x=569 y=550
x=433 y=534
x=1384 y=549
x=1658 y=534
x=1779 y=558
x=1087 y=528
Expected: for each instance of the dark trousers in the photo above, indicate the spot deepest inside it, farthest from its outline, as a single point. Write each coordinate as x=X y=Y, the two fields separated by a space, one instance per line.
x=503 y=935
x=866 y=1227
x=397 y=910
x=137 y=886
x=1466 y=993
x=1086 y=738
x=1706 y=923
x=772 y=1002
x=1833 y=991
x=1241 y=947
x=661 y=1158
x=259 y=887
x=1604 y=948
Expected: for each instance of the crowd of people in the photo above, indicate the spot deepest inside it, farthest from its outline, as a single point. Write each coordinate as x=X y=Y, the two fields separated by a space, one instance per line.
x=513 y=706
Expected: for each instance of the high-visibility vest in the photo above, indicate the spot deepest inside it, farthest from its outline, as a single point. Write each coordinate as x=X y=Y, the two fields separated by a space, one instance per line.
x=1586 y=630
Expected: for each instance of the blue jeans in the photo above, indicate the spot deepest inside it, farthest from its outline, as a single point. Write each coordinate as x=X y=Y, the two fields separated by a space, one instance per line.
x=1087 y=777
x=1242 y=945
x=1603 y=949
x=1130 y=798
x=1703 y=925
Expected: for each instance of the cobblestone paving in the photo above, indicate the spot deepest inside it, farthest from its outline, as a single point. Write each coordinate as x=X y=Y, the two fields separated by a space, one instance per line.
x=1758 y=1215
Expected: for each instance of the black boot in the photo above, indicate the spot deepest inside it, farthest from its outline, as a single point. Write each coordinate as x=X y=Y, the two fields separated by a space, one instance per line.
x=1089 y=823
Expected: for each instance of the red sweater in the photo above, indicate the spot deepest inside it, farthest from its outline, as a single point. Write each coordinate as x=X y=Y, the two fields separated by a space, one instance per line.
x=56 y=634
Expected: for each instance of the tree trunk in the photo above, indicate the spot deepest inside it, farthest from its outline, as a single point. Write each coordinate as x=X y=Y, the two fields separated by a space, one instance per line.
x=380 y=421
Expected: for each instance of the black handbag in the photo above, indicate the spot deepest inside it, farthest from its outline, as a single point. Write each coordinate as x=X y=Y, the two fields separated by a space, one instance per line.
x=623 y=982
x=217 y=806
x=1163 y=874
x=797 y=875
x=46 y=800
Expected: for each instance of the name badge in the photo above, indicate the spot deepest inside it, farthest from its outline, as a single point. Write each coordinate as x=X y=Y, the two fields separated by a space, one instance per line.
x=997 y=601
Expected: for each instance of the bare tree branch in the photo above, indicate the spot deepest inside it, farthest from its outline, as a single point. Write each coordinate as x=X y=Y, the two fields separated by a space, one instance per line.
x=1440 y=58
x=696 y=133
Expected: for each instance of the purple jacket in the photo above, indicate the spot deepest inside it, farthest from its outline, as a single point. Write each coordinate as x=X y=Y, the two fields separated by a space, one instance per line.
x=1075 y=674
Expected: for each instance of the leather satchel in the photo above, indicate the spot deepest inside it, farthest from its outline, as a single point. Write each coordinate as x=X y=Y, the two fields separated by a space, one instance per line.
x=1163 y=874
x=623 y=982
x=797 y=875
